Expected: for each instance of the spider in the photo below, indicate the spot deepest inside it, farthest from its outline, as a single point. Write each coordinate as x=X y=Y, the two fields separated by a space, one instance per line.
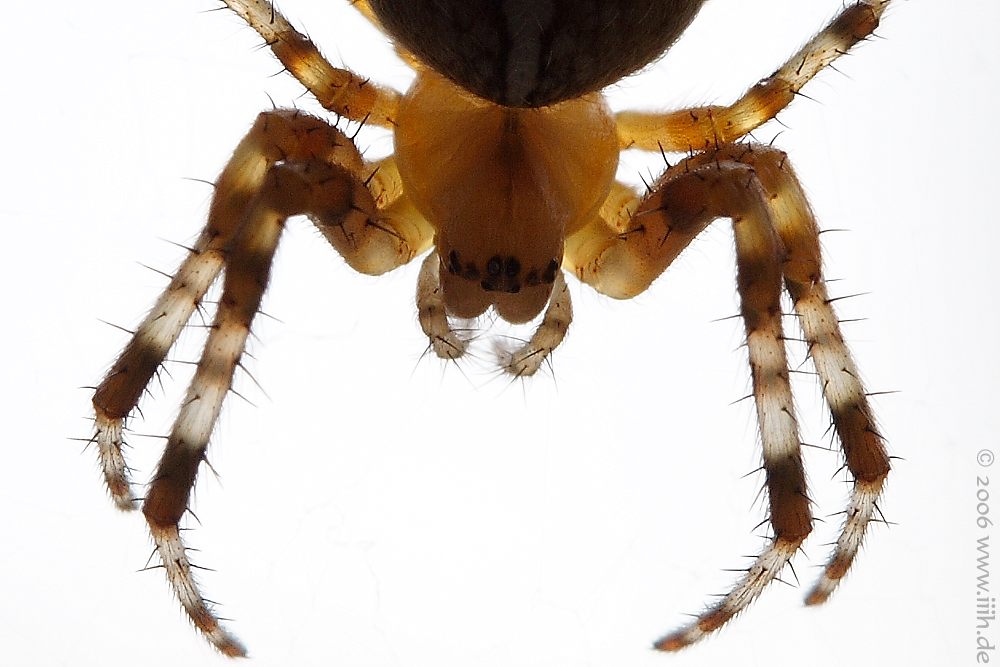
x=504 y=170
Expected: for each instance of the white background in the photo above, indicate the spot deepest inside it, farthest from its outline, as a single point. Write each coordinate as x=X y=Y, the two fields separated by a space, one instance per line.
x=378 y=508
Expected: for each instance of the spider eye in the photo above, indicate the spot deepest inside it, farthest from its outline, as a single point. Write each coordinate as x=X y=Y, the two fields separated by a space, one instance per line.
x=502 y=275
x=471 y=286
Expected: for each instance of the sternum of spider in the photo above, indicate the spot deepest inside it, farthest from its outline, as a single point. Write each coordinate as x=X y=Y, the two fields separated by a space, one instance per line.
x=502 y=187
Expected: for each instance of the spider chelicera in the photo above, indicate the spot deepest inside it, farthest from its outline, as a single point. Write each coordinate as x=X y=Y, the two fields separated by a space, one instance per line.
x=504 y=170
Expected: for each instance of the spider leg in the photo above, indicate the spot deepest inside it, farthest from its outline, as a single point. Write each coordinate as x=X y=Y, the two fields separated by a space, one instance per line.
x=119 y=392
x=701 y=128
x=623 y=260
x=124 y=383
x=682 y=203
x=339 y=90
x=853 y=421
x=288 y=164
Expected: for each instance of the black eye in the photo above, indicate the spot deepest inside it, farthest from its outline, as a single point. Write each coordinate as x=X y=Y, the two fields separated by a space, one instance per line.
x=512 y=267
x=494 y=266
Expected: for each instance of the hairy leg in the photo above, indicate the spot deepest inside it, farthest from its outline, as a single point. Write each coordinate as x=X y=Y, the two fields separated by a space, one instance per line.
x=338 y=90
x=759 y=280
x=624 y=254
x=701 y=128
x=622 y=263
x=119 y=392
x=288 y=164
x=863 y=446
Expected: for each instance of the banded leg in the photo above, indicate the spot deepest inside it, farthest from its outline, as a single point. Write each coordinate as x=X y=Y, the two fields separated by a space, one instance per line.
x=683 y=202
x=864 y=450
x=288 y=164
x=794 y=224
x=119 y=392
x=338 y=90
x=702 y=128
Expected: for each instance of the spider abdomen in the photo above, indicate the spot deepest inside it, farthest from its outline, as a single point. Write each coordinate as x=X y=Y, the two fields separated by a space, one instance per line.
x=502 y=187
x=533 y=53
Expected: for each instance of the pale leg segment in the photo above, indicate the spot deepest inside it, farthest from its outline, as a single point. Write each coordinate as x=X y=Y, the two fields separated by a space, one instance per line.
x=702 y=128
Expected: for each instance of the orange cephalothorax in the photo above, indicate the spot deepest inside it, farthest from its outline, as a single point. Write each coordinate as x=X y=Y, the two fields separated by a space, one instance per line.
x=502 y=187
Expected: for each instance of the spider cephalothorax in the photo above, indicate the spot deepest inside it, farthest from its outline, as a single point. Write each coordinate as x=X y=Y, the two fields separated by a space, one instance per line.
x=504 y=170
x=503 y=186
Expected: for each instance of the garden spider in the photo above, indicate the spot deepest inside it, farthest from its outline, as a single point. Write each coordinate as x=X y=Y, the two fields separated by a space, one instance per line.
x=504 y=166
